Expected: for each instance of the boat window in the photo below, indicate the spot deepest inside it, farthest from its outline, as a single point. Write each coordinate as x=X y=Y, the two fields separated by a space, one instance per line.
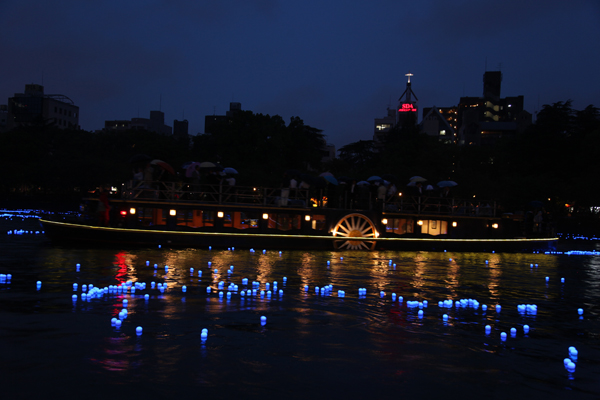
x=208 y=218
x=227 y=220
x=318 y=222
x=434 y=227
x=284 y=222
x=400 y=226
x=185 y=217
x=243 y=220
x=149 y=217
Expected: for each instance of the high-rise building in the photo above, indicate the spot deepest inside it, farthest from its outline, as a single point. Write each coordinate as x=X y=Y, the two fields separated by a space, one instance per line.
x=483 y=120
x=33 y=107
x=404 y=114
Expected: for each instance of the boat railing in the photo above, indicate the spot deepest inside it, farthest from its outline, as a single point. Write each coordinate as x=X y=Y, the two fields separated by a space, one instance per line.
x=214 y=193
x=303 y=198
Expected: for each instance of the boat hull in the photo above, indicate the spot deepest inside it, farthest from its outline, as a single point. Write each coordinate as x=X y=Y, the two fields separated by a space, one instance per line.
x=74 y=233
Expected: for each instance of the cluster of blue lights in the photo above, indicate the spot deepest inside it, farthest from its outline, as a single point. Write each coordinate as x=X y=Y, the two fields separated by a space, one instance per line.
x=252 y=291
x=573 y=236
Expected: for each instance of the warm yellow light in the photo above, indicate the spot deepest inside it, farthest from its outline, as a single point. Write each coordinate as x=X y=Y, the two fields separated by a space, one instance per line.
x=419 y=222
x=265 y=216
x=307 y=217
x=495 y=226
x=384 y=221
x=220 y=214
x=454 y=224
x=132 y=210
x=399 y=193
x=172 y=213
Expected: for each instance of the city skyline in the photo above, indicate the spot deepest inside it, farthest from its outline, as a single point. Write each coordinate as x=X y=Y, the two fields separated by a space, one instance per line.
x=337 y=65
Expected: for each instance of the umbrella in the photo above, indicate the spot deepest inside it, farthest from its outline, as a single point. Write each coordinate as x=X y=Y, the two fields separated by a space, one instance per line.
x=363 y=183
x=446 y=184
x=374 y=178
x=330 y=179
x=207 y=164
x=187 y=164
x=417 y=178
x=324 y=174
x=230 y=171
x=164 y=166
x=190 y=169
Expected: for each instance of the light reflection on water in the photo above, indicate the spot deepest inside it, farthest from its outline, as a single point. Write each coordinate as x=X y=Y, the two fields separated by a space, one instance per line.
x=311 y=343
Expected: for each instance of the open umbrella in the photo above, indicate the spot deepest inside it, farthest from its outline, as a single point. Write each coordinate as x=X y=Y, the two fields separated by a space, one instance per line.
x=446 y=184
x=323 y=174
x=374 y=178
x=229 y=171
x=417 y=178
x=330 y=178
x=363 y=183
x=191 y=168
x=164 y=166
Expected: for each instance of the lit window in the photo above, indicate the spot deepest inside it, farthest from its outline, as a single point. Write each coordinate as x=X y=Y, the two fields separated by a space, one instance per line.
x=442 y=132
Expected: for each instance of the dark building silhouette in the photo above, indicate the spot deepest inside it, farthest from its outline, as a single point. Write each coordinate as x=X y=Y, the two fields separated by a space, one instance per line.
x=156 y=123
x=440 y=122
x=478 y=120
x=180 y=128
x=211 y=120
x=34 y=108
x=3 y=116
x=483 y=120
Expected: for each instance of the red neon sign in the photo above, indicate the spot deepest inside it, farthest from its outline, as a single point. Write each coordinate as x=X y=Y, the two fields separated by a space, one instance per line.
x=407 y=107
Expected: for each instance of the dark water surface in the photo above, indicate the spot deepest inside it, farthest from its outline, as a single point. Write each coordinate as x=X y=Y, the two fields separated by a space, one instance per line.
x=313 y=345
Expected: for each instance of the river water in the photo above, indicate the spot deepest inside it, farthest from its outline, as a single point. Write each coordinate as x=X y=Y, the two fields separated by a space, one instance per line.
x=313 y=345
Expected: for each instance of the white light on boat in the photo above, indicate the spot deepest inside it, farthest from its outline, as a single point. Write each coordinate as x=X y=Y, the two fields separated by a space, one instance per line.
x=172 y=213
x=220 y=214
x=454 y=224
x=307 y=217
x=495 y=226
x=132 y=210
x=265 y=216
x=384 y=221
x=419 y=222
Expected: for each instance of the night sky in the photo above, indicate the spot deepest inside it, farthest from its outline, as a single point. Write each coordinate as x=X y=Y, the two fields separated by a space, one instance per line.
x=335 y=64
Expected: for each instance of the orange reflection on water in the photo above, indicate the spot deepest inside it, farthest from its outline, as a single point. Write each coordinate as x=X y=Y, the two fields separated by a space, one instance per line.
x=495 y=273
x=452 y=280
x=305 y=271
